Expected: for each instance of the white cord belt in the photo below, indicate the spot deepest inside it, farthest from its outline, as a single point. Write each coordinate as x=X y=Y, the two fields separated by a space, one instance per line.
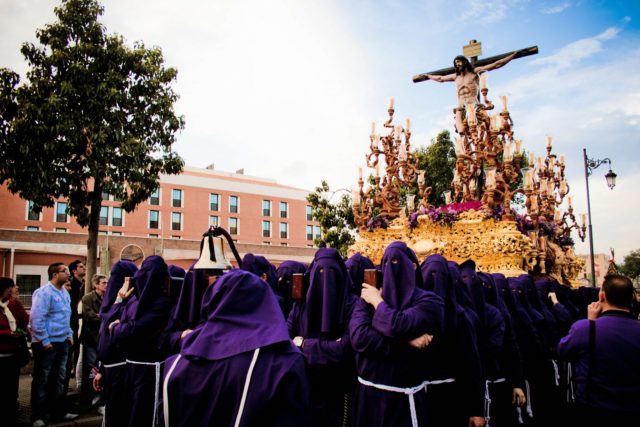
x=156 y=400
x=409 y=391
x=487 y=398
x=114 y=365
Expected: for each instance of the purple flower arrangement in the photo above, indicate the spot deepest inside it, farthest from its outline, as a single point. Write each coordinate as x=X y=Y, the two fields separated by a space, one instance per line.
x=377 y=222
x=446 y=215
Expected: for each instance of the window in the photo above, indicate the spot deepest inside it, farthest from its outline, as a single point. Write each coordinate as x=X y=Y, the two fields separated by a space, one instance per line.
x=284 y=244
x=31 y=215
x=154 y=219
x=61 y=212
x=266 y=228
x=266 y=208
x=284 y=230
x=116 y=233
x=234 y=203
x=105 y=195
x=176 y=237
x=27 y=284
x=176 y=198
x=104 y=215
x=176 y=221
x=213 y=221
x=266 y=243
x=116 y=217
x=284 y=209
x=214 y=200
x=153 y=236
x=309 y=232
x=60 y=230
x=316 y=232
x=309 y=214
x=32 y=228
x=234 y=226
x=155 y=198
x=102 y=233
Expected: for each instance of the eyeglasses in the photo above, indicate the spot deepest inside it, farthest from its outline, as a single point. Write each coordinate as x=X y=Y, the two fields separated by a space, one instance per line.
x=63 y=271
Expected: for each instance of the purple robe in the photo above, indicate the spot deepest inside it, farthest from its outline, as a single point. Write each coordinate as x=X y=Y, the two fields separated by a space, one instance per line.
x=110 y=358
x=380 y=338
x=322 y=319
x=242 y=349
x=456 y=355
x=142 y=321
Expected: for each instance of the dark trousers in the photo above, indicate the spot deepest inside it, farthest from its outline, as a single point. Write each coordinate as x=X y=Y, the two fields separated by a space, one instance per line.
x=10 y=375
x=89 y=357
x=47 y=387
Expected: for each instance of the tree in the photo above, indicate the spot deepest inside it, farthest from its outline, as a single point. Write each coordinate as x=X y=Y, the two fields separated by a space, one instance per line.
x=438 y=160
x=95 y=116
x=631 y=264
x=336 y=220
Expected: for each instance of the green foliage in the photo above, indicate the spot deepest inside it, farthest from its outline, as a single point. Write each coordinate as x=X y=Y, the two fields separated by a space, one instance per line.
x=631 y=264
x=85 y=85
x=335 y=219
x=438 y=160
x=95 y=115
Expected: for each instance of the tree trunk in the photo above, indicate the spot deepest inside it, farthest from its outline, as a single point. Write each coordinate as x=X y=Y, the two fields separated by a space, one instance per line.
x=92 y=236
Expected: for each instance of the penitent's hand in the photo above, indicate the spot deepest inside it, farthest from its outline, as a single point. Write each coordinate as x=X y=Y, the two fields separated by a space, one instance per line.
x=553 y=298
x=518 y=397
x=371 y=294
x=97 y=382
x=126 y=290
x=185 y=333
x=476 y=421
x=422 y=341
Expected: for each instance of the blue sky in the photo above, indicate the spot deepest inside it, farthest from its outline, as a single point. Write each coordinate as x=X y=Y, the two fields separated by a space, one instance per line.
x=287 y=89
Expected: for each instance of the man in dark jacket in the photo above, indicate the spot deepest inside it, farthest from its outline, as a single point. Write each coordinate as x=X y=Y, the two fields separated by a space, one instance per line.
x=89 y=336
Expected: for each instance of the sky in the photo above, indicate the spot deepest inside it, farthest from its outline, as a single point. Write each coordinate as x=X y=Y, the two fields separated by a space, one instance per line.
x=287 y=89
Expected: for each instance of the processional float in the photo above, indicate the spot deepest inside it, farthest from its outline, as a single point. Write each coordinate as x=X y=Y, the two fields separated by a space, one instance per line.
x=509 y=212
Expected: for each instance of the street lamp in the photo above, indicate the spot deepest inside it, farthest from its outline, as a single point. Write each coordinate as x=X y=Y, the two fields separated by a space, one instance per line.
x=589 y=166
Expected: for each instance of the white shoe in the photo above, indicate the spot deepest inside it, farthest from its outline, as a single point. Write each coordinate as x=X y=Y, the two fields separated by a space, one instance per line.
x=39 y=423
x=69 y=417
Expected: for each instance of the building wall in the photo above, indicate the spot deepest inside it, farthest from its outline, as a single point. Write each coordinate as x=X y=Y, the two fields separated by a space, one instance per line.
x=601 y=265
x=196 y=186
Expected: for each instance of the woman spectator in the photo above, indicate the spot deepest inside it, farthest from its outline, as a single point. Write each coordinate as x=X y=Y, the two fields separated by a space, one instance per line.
x=13 y=323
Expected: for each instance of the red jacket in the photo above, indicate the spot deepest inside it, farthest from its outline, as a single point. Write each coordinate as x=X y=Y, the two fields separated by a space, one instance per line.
x=7 y=339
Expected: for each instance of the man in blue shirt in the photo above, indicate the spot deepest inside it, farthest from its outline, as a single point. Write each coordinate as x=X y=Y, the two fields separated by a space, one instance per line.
x=605 y=350
x=51 y=338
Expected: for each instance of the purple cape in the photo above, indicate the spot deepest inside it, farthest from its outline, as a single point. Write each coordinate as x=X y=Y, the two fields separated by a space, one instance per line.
x=242 y=315
x=259 y=265
x=187 y=311
x=284 y=275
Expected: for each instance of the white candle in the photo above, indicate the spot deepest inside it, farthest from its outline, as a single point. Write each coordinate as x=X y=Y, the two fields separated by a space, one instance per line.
x=356 y=197
x=410 y=202
x=569 y=200
x=504 y=102
x=360 y=172
x=447 y=197
x=539 y=162
x=531 y=159
x=584 y=219
x=391 y=102
x=543 y=186
x=397 y=130
x=549 y=139
x=507 y=151
x=542 y=243
x=407 y=126
x=518 y=146
x=561 y=159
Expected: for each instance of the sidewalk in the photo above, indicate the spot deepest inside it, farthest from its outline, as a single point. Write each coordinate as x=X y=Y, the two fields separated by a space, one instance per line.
x=86 y=419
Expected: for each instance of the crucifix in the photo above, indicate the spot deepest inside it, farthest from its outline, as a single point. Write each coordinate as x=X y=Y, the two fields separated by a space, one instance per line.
x=466 y=73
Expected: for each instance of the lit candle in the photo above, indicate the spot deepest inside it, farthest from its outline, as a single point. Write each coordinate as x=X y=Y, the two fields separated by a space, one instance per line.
x=407 y=125
x=531 y=157
x=504 y=102
x=561 y=159
x=518 y=146
x=373 y=128
x=359 y=172
x=397 y=130
x=483 y=80
x=391 y=102
x=539 y=163
x=549 y=139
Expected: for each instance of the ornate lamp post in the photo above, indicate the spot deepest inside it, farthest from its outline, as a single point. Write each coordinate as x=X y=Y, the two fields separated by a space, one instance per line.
x=589 y=166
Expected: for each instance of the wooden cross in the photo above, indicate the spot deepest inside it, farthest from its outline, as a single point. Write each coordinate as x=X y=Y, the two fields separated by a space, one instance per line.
x=472 y=51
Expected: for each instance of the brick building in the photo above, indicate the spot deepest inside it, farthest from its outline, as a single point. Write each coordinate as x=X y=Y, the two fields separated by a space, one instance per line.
x=262 y=216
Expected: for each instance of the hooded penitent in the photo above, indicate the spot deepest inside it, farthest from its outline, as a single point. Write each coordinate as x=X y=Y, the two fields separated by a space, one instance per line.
x=284 y=275
x=356 y=265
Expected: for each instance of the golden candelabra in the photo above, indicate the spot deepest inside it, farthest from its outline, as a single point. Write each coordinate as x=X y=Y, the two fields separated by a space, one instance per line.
x=382 y=196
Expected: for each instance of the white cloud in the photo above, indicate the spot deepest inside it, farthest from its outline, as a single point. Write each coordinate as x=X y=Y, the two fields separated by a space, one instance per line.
x=487 y=12
x=559 y=8
x=578 y=50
